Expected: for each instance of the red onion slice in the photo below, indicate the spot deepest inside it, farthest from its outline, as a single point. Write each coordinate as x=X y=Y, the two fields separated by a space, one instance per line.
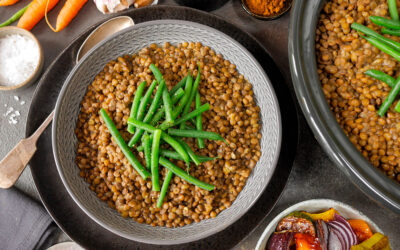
x=340 y=230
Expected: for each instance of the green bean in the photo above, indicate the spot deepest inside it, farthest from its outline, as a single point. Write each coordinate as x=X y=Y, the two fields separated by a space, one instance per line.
x=177 y=95
x=397 y=107
x=122 y=145
x=389 y=99
x=168 y=139
x=161 y=111
x=186 y=117
x=196 y=134
x=178 y=86
x=145 y=101
x=185 y=176
x=174 y=155
x=390 y=31
x=384 y=47
x=372 y=33
x=164 y=188
x=379 y=75
x=147 y=149
x=135 y=105
x=155 y=148
x=141 y=125
x=177 y=146
x=167 y=106
x=394 y=14
x=14 y=17
x=182 y=102
x=199 y=123
x=388 y=23
x=154 y=105
x=191 y=97
x=190 y=152
x=156 y=72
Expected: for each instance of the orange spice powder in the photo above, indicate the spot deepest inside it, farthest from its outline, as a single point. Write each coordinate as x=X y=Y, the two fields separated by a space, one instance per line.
x=265 y=7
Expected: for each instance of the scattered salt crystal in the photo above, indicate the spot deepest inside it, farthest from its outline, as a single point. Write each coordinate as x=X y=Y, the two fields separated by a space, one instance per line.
x=12 y=115
x=16 y=98
x=22 y=102
x=19 y=57
x=9 y=110
x=5 y=105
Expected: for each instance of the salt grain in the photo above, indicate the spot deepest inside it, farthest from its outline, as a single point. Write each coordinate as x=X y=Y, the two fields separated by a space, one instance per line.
x=16 y=98
x=22 y=102
x=19 y=57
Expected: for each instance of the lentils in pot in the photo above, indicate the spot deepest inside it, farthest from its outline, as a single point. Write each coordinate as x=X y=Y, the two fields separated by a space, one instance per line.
x=342 y=58
x=233 y=114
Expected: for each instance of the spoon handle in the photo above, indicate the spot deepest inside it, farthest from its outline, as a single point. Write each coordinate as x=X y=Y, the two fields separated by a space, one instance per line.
x=16 y=160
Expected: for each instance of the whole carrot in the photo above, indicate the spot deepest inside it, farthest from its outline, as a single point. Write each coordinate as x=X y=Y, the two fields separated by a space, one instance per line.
x=67 y=13
x=7 y=2
x=35 y=13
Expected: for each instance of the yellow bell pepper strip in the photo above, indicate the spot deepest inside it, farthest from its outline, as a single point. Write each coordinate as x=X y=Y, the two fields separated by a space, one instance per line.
x=325 y=216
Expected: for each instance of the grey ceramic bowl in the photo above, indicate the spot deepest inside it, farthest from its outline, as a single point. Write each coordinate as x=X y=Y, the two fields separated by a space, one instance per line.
x=132 y=40
x=315 y=206
x=316 y=110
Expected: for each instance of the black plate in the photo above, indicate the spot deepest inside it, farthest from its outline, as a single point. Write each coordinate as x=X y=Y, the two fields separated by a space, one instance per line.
x=330 y=135
x=74 y=221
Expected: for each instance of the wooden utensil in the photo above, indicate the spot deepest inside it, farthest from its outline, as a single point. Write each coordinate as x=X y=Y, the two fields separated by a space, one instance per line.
x=16 y=160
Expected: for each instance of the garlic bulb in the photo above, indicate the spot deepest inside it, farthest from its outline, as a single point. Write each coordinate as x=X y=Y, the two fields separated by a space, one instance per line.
x=112 y=6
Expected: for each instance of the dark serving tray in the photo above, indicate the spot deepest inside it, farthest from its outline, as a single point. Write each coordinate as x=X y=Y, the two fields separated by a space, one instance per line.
x=74 y=222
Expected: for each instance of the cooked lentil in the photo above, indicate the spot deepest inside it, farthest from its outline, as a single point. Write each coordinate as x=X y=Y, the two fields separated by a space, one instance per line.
x=354 y=97
x=233 y=114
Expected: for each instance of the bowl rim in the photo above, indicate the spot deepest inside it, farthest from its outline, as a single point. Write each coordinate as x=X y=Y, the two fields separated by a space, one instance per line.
x=267 y=18
x=95 y=218
x=36 y=72
x=270 y=228
x=303 y=67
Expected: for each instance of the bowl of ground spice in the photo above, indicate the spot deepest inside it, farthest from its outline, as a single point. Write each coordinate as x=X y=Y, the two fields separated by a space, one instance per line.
x=266 y=9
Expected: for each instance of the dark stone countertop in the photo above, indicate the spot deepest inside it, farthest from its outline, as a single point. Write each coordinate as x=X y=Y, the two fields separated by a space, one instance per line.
x=313 y=174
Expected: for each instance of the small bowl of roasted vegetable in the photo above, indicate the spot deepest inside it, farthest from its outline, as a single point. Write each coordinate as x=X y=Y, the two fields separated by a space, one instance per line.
x=322 y=224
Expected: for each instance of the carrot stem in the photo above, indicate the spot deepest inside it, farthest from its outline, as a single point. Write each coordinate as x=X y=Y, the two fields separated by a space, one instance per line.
x=45 y=16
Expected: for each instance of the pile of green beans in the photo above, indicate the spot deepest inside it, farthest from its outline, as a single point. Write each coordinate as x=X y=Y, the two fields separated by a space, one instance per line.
x=388 y=46
x=146 y=125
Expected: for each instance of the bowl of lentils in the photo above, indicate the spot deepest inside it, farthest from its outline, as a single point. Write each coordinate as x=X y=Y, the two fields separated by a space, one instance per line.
x=163 y=140
x=344 y=63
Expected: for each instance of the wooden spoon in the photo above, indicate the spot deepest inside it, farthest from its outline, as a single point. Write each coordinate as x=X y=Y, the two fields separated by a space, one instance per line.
x=16 y=160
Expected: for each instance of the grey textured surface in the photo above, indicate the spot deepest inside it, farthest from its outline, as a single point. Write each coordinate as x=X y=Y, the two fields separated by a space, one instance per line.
x=313 y=176
x=127 y=42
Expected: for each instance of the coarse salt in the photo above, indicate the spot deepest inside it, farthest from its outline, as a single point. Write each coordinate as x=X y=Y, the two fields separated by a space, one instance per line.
x=19 y=57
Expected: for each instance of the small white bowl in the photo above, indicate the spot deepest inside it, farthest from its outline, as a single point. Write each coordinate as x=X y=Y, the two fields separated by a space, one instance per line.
x=315 y=206
x=11 y=30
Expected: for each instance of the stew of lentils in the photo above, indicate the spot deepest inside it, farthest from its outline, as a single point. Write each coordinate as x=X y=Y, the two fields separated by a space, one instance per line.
x=343 y=57
x=233 y=114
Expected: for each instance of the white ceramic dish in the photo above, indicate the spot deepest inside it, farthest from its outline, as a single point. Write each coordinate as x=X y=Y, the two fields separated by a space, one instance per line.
x=314 y=206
